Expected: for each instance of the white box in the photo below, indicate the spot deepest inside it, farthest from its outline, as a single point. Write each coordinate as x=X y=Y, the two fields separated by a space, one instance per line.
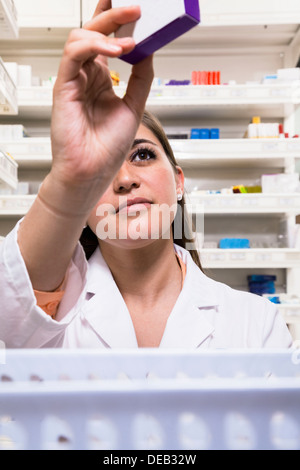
x=159 y=24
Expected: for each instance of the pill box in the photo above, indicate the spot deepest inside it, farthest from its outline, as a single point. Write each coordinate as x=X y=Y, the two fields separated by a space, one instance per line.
x=159 y=24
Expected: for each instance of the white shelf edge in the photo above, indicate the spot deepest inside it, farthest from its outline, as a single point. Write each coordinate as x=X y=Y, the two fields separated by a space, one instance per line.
x=15 y=205
x=188 y=152
x=37 y=101
x=277 y=258
x=232 y=148
x=251 y=203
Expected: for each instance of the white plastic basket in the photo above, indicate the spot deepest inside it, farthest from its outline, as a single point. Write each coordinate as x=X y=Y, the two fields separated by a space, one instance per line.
x=150 y=400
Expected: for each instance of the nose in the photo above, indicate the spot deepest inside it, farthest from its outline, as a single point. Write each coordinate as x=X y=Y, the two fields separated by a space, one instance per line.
x=126 y=179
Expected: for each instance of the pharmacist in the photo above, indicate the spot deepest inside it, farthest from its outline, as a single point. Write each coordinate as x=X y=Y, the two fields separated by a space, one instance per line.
x=128 y=281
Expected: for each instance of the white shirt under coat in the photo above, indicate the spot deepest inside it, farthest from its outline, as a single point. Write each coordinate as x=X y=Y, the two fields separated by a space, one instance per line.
x=93 y=314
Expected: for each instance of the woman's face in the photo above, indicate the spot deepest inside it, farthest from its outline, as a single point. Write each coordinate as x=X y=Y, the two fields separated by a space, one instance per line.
x=140 y=204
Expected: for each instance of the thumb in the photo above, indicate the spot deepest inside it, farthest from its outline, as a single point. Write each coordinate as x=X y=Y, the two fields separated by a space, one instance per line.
x=139 y=86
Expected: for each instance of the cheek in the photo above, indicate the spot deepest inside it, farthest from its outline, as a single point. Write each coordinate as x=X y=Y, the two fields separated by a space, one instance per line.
x=163 y=185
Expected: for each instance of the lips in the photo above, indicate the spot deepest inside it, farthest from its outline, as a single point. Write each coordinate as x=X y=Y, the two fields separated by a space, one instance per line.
x=132 y=202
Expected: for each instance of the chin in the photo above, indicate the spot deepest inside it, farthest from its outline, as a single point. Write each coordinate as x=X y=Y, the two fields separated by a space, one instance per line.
x=130 y=244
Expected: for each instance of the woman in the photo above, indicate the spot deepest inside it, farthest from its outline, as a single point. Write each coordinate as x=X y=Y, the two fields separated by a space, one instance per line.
x=113 y=170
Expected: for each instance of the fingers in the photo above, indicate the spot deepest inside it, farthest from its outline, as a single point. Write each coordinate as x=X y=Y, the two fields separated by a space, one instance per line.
x=109 y=21
x=97 y=43
x=139 y=86
x=85 y=45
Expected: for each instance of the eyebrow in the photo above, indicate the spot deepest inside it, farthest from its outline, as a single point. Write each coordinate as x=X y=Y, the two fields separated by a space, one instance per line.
x=143 y=141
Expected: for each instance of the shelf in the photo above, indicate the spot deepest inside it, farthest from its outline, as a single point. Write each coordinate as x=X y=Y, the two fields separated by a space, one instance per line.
x=15 y=206
x=8 y=93
x=30 y=152
x=290 y=313
x=8 y=171
x=250 y=258
x=233 y=153
x=218 y=13
x=236 y=153
x=252 y=203
x=35 y=102
x=188 y=101
x=220 y=101
x=8 y=20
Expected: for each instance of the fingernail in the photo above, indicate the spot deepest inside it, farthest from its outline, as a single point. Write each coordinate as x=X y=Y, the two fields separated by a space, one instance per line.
x=126 y=41
x=114 y=48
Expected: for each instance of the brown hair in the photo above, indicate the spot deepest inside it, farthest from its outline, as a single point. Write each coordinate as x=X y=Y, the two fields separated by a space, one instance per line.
x=89 y=240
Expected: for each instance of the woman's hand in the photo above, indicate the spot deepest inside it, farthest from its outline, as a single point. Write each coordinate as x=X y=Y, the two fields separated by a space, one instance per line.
x=93 y=129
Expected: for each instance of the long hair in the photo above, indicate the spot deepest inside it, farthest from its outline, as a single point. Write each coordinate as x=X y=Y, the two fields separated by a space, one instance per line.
x=186 y=240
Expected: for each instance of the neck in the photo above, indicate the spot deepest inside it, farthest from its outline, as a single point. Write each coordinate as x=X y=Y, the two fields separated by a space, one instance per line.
x=145 y=272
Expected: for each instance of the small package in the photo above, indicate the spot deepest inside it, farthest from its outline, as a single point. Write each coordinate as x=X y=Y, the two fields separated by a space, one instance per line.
x=160 y=23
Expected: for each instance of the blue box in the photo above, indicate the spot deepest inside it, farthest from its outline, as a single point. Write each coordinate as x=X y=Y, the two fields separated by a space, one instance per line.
x=215 y=133
x=195 y=133
x=262 y=284
x=204 y=134
x=234 y=243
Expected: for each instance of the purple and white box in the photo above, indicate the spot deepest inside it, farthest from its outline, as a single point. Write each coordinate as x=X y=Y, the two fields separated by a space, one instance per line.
x=161 y=22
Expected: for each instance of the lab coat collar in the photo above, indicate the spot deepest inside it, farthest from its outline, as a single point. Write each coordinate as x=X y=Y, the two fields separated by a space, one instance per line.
x=106 y=310
x=190 y=324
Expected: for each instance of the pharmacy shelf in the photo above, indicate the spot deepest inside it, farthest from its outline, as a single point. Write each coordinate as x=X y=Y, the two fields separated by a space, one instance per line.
x=189 y=153
x=218 y=101
x=15 y=206
x=277 y=258
x=8 y=20
x=290 y=313
x=187 y=101
x=8 y=171
x=30 y=152
x=218 y=13
x=236 y=153
x=8 y=93
x=251 y=203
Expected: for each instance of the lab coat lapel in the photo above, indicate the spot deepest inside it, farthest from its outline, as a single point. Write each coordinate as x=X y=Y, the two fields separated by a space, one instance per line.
x=191 y=323
x=106 y=311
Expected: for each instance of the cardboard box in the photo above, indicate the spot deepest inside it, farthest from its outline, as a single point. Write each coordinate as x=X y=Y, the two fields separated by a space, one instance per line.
x=160 y=23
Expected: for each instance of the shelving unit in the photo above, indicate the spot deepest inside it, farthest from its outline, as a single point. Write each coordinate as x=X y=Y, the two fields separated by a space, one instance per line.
x=250 y=258
x=256 y=42
x=8 y=20
x=15 y=206
x=257 y=203
x=188 y=101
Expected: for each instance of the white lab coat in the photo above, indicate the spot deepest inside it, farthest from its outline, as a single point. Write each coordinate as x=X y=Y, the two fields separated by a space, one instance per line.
x=93 y=314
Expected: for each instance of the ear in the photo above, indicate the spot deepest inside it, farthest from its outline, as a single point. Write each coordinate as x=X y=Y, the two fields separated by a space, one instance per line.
x=179 y=180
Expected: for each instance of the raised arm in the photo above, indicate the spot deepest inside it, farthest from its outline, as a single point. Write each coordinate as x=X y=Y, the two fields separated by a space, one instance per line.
x=87 y=146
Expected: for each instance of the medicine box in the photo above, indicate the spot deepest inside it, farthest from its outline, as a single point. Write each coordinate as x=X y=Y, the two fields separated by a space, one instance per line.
x=159 y=24
x=233 y=243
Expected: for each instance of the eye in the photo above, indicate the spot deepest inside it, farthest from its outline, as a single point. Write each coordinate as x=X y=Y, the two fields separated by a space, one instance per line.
x=143 y=154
